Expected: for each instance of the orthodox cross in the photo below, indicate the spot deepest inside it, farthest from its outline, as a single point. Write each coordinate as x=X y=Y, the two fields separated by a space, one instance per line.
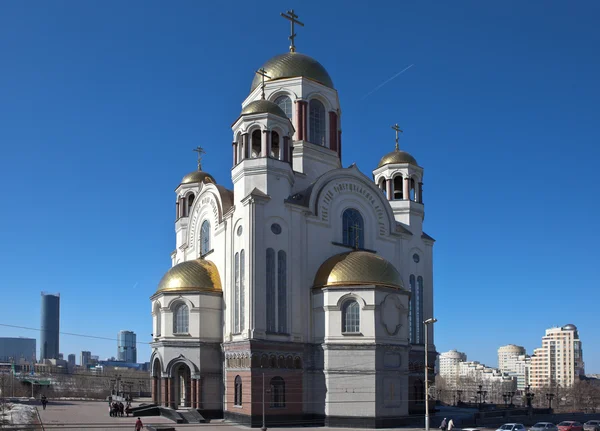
x=357 y=230
x=263 y=73
x=291 y=16
x=397 y=129
x=200 y=151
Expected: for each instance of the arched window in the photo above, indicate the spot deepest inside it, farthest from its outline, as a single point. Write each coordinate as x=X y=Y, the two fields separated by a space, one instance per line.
x=419 y=307
x=242 y=291
x=353 y=229
x=275 y=147
x=285 y=103
x=271 y=310
x=398 y=188
x=316 y=117
x=412 y=190
x=236 y=295
x=190 y=201
x=256 y=144
x=238 y=391
x=277 y=392
x=282 y=292
x=181 y=319
x=158 y=320
x=350 y=317
x=412 y=310
x=205 y=238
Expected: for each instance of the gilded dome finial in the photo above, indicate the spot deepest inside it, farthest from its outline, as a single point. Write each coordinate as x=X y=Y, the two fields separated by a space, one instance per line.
x=291 y=16
x=397 y=129
x=200 y=151
x=263 y=73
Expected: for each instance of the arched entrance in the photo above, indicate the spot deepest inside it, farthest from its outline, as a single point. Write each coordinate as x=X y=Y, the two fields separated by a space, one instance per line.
x=156 y=382
x=182 y=388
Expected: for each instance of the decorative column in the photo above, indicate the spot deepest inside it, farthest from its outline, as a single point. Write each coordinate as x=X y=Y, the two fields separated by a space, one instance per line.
x=299 y=121
x=234 y=146
x=340 y=144
x=193 y=394
x=155 y=390
x=333 y=132
x=170 y=383
x=165 y=391
x=285 y=153
x=406 y=189
x=263 y=144
x=245 y=147
x=420 y=199
x=176 y=210
x=304 y=117
x=388 y=189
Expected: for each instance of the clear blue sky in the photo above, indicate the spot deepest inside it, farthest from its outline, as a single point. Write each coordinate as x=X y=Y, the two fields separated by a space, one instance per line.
x=101 y=103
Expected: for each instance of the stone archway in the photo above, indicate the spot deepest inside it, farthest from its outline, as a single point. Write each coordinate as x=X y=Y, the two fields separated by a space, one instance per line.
x=156 y=382
x=182 y=385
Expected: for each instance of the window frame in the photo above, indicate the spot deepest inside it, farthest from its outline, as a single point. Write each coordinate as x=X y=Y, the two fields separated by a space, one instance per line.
x=291 y=105
x=238 y=391
x=277 y=386
x=351 y=302
x=348 y=230
x=176 y=313
x=205 y=239
x=312 y=122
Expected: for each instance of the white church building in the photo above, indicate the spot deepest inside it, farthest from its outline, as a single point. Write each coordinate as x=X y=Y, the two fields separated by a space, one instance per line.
x=308 y=279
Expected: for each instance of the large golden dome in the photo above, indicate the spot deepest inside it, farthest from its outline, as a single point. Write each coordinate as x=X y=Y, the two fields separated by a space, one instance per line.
x=292 y=65
x=358 y=268
x=192 y=275
x=263 y=107
x=198 y=177
x=397 y=157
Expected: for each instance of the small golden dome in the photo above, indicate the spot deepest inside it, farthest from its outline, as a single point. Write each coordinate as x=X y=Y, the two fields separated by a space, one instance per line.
x=198 y=177
x=357 y=268
x=263 y=107
x=397 y=156
x=192 y=275
x=292 y=65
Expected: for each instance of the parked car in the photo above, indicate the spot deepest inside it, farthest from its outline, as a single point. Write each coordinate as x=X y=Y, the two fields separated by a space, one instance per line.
x=513 y=427
x=546 y=426
x=591 y=426
x=570 y=426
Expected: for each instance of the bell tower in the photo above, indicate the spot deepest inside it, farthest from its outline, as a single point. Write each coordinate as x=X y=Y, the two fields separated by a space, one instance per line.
x=400 y=178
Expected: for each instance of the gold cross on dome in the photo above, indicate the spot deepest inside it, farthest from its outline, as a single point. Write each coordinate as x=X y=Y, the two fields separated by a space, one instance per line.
x=397 y=129
x=291 y=16
x=200 y=151
x=357 y=230
x=263 y=73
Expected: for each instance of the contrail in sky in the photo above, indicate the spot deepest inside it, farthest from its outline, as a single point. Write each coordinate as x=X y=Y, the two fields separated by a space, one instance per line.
x=135 y=285
x=386 y=81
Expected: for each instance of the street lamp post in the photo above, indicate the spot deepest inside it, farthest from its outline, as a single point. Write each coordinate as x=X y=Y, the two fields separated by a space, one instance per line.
x=427 y=322
x=264 y=424
x=549 y=398
x=459 y=394
x=529 y=395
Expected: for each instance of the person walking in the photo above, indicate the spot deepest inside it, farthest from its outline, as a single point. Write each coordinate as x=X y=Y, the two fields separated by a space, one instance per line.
x=138 y=425
x=44 y=401
x=444 y=425
x=450 y=425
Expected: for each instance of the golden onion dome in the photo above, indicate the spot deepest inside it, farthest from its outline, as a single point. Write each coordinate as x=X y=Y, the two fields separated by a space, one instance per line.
x=192 y=275
x=395 y=157
x=292 y=65
x=357 y=268
x=262 y=106
x=198 y=177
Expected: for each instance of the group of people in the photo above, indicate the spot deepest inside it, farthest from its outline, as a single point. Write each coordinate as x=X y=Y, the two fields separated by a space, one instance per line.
x=447 y=425
x=117 y=409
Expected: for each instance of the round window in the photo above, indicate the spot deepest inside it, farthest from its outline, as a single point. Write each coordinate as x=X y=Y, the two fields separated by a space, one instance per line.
x=416 y=258
x=239 y=230
x=275 y=228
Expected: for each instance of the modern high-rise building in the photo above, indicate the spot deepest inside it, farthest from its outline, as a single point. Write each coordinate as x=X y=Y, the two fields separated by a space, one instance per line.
x=86 y=358
x=71 y=359
x=126 y=347
x=508 y=351
x=559 y=362
x=17 y=349
x=449 y=366
x=50 y=326
x=518 y=367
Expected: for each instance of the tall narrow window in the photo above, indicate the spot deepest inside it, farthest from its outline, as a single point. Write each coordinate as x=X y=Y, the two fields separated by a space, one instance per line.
x=238 y=391
x=277 y=392
x=281 y=291
x=316 y=118
x=420 y=310
x=190 y=201
x=205 y=238
x=256 y=145
x=412 y=310
x=353 y=229
x=242 y=290
x=236 y=294
x=181 y=319
x=285 y=103
x=271 y=293
x=350 y=317
x=275 y=147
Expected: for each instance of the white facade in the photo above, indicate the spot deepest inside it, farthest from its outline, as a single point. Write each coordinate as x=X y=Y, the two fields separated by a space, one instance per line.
x=508 y=351
x=306 y=271
x=449 y=363
x=559 y=362
x=519 y=367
